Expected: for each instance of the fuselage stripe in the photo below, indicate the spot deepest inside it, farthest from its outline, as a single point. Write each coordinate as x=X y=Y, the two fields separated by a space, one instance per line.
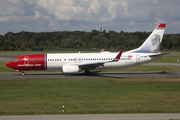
x=45 y=61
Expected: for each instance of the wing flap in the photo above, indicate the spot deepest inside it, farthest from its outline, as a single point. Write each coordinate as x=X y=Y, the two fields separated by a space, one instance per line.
x=91 y=66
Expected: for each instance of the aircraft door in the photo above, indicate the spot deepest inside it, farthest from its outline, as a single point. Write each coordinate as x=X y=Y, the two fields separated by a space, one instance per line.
x=137 y=58
x=26 y=60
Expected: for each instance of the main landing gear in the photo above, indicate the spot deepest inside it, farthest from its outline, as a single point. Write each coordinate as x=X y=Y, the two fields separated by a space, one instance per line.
x=87 y=72
x=22 y=73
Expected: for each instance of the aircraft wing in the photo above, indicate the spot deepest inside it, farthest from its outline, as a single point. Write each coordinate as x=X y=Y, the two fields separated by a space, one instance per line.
x=92 y=66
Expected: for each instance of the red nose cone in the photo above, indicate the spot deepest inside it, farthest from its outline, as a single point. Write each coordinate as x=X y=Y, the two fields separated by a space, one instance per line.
x=9 y=64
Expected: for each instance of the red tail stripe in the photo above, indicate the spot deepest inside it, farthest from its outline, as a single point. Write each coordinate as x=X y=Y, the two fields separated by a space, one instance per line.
x=162 y=25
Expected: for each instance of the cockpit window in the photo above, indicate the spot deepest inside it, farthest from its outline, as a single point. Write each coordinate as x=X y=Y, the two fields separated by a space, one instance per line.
x=15 y=60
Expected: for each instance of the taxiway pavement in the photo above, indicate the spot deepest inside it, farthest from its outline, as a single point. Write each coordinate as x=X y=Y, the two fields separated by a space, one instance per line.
x=94 y=74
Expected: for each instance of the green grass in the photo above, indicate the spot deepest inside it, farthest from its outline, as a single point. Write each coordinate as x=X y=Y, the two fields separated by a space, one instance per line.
x=89 y=95
x=4 y=68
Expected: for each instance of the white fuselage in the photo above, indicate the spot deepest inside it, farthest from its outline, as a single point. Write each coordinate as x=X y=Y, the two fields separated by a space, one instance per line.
x=57 y=61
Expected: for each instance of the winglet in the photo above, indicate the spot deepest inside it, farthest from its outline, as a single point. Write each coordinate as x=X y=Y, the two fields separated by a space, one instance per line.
x=102 y=50
x=119 y=55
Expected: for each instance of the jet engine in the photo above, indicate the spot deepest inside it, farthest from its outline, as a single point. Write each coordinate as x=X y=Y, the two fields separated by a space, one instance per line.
x=70 y=69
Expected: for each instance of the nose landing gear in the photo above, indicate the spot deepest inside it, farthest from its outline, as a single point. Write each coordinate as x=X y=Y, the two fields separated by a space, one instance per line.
x=22 y=72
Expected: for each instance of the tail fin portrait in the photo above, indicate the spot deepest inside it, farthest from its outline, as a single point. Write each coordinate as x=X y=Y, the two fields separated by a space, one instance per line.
x=153 y=42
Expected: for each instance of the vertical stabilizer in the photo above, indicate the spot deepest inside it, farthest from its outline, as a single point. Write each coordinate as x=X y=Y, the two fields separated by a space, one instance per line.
x=153 y=42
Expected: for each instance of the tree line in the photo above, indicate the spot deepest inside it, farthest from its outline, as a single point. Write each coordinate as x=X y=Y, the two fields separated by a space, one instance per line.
x=81 y=40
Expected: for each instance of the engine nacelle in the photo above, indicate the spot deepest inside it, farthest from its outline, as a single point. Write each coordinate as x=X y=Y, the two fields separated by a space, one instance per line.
x=70 y=69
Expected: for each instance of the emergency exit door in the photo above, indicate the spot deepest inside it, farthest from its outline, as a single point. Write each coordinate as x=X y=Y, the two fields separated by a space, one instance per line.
x=138 y=58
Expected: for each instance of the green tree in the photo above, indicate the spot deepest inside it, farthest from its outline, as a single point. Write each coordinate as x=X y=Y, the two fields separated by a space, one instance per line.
x=17 y=43
x=22 y=48
x=5 y=48
x=66 y=43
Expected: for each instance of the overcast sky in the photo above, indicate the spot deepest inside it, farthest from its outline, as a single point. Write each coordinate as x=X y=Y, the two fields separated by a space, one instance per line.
x=86 y=15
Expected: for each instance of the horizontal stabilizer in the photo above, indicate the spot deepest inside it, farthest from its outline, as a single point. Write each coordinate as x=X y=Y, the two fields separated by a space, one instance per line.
x=153 y=55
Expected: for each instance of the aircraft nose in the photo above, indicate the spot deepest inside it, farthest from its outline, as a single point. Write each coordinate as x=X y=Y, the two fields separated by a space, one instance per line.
x=9 y=64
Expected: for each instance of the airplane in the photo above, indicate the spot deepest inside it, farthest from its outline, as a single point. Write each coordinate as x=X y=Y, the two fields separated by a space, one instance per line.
x=73 y=63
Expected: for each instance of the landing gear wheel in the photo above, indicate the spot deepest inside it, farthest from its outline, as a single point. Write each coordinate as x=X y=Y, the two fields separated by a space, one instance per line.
x=87 y=72
x=23 y=73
